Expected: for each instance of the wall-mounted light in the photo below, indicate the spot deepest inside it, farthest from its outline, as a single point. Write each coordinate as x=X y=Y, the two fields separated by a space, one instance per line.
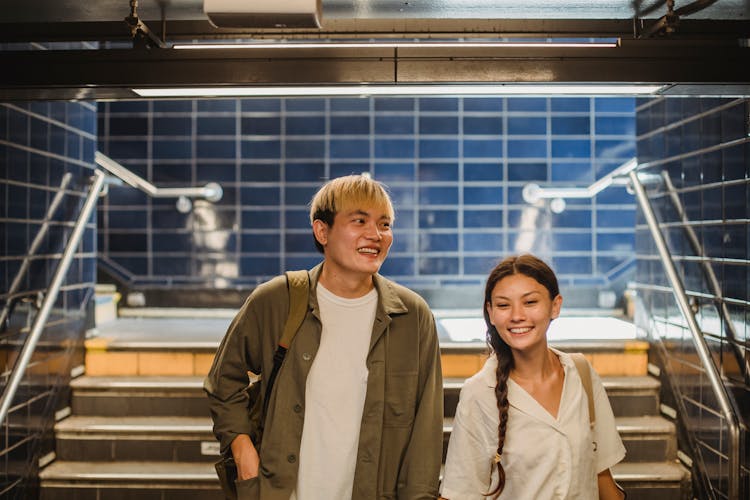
x=404 y=90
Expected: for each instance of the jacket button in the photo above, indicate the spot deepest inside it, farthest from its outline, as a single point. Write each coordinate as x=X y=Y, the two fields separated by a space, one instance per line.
x=291 y=458
x=306 y=356
x=297 y=408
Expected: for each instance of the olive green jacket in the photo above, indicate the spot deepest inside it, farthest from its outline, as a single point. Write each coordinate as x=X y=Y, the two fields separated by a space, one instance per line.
x=401 y=435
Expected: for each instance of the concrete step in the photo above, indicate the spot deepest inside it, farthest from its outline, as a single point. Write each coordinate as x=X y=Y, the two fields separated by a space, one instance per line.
x=168 y=439
x=190 y=439
x=629 y=396
x=163 y=396
x=139 y=396
x=646 y=439
x=653 y=480
x=184 y=346
x=63 y=480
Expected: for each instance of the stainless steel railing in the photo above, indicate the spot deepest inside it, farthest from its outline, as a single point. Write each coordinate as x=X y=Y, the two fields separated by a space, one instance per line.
x=717 y=386
x=627 y=173
x=211 y=191
x=533 y=192
x=713 y=281
x=11 y=296
x=51 y=296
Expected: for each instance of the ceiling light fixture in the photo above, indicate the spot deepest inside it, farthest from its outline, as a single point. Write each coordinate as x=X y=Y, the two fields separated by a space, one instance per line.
x=396 y=44
x=403 y=90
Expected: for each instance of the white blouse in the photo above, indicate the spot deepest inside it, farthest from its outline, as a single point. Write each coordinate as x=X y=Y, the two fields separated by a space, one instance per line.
x=543 y=457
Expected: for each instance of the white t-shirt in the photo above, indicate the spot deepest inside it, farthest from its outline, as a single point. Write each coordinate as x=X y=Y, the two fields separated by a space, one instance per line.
x=335 y=397
x=543 y=457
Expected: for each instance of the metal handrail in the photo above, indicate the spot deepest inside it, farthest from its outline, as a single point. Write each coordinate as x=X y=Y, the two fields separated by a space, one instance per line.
x=11 y=293
x=211 y=191
x=733 y=455
x=533 y=192
x=713 y=281
x=51 y=297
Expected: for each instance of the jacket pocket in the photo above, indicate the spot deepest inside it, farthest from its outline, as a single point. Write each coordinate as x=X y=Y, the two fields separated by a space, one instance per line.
x=400 y=399
x=248 y=489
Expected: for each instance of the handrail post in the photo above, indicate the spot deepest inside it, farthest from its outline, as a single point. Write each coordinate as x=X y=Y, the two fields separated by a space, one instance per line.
x=49 y=300
x=733 y=454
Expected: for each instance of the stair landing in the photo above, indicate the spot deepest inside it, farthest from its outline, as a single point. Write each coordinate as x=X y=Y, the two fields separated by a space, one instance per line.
x=183 y=343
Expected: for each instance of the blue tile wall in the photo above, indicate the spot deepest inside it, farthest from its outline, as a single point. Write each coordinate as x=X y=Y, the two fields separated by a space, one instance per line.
x=703 y=147
x=455 y=167
x=39 y=143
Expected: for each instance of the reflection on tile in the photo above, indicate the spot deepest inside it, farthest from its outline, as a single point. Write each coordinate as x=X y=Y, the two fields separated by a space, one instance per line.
x=424 y=149
x=717 y=212
x=70 y=131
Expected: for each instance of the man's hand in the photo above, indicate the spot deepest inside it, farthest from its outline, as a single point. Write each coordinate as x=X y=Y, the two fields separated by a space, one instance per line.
x=245 y=457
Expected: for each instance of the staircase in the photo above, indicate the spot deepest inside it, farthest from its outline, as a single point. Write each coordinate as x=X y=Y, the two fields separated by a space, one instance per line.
x=138 y=425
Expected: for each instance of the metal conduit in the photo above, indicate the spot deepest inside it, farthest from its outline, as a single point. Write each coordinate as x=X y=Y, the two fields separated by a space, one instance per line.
x=733 y=454
x=51 y=297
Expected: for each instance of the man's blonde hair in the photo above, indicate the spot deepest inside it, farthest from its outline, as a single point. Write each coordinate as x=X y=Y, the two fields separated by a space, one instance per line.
x=349 y=193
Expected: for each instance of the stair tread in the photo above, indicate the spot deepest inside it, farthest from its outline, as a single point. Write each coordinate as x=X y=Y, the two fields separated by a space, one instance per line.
x=138 y=382
x=649 y=471
x=134 y=424
x=610 y=382
x=647 y=424
x=136 y=471
x=203 y=330
x=624 y=471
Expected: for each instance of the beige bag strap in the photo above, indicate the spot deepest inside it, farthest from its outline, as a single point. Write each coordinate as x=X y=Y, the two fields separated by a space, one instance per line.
x=298 y=283
x=584 y=371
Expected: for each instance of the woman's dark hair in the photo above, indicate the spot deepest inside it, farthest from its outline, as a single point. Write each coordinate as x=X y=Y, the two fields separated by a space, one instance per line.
x=533 y=267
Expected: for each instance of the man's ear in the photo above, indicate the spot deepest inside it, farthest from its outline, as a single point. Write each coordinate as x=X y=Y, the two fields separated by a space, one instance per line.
x=320 y=231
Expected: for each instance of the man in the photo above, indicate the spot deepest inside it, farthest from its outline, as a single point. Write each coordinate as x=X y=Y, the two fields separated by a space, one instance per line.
x=356 y=411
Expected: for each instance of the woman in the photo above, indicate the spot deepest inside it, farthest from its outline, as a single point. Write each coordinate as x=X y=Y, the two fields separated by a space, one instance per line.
x=522 y=429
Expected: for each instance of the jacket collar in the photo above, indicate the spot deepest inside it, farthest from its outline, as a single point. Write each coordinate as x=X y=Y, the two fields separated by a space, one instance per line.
x=388 y=298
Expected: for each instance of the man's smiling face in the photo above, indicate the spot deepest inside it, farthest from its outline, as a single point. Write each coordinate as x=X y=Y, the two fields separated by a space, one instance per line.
x=358 y=241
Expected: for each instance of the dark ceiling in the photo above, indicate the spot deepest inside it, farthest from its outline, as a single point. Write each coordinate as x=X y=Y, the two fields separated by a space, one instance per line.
x=24 y=20
x=694 y=47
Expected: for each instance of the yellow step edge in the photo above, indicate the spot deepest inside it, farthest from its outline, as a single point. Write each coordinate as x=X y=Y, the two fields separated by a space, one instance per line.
x=100 y=362
x=98 y=343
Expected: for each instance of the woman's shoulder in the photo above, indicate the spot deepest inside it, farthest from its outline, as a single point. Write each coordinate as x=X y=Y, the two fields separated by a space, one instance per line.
x=481 y=381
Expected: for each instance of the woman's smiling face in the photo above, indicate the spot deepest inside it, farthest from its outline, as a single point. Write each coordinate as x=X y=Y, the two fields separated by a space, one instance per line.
x=521 y=310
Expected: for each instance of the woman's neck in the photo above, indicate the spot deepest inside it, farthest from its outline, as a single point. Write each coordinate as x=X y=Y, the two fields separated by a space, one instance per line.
x=535 y=365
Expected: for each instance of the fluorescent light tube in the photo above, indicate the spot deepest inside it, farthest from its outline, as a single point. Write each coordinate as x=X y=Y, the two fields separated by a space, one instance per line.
x=391 y=44
x=402 y=90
